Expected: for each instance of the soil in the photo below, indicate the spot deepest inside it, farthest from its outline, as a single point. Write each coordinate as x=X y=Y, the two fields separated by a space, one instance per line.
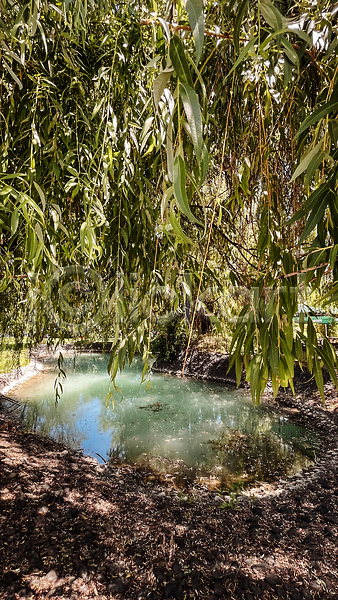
x=74 y=529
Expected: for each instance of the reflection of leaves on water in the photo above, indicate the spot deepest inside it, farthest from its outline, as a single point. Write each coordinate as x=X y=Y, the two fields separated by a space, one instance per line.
x=156 y=407
x=260 y=455
x=229 y=441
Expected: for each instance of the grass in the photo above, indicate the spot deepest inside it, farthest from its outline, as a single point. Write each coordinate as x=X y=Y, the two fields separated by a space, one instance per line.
x=10 y=359
x=212 y=343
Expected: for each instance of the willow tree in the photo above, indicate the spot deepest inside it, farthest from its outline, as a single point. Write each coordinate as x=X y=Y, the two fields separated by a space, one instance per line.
x=136 y=141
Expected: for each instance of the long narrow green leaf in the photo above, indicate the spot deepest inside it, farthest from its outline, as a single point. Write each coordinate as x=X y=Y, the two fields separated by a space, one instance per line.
x=14 y=221
x=179 y=60
x=317 y=371
x=243 y=54
x=314 y=165
x=271 y=14
x=238 y=22
x=160 y=84
x=180 y=188
x=41 y=194
x=289 y=50
x=170 y=149
x=196 y=20
x=178 y=230
x=303 y=165
x=11 y=72
x=194 y=117
x=318 y=114
x=314 y=219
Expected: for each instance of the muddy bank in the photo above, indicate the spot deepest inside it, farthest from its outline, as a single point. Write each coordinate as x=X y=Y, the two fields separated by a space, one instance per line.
x=215 y=367
x=202 y=365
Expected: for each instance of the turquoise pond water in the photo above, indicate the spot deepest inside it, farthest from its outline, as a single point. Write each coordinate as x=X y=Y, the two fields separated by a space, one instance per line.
x=182 y=428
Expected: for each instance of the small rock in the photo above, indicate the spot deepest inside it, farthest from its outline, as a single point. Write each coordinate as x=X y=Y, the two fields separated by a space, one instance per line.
x=307 y=517
x=195 y=578
x=257 y=592
x=324 y=483
x=43 y=510
x=118 y=586
x=328 y=531
x=116 y=568
x=159 y=573
x=218 y=498
x=243 y=585
x=83 y=573
x=51 y=577
x=277 y=530
x=177 y=569
x=285 y=509
x=309 y=539
x=57 y=591
x=10 y=577
x=292 y=532
x=217 y=574
x=323 y=508
x=332 y=519
x=273 y=579
x=47 y=497
x=302 y=524
x=260 y=566
x=315 y=586
x=170 y=589
x=25 y=593
x=219 y=589
x=315 y=556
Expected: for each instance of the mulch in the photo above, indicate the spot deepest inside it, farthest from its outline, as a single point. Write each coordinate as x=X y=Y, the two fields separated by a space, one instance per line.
x=73 y=529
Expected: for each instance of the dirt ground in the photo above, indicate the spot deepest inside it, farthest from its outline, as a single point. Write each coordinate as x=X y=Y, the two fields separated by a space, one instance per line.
x=73 y=529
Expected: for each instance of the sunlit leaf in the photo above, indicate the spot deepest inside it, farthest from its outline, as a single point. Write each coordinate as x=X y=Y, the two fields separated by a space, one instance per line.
x=160 y=84
x=195 y=10
x=180 y=188
x=181 y=237
x=317 y=115
x=179 y=61
x=303 y=165
x=194 y=117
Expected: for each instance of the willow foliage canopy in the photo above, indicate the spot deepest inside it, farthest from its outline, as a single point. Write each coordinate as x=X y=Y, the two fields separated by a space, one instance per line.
x=140 y=140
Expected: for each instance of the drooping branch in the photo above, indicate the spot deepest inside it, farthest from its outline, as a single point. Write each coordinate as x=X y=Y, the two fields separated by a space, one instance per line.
x=177 y=27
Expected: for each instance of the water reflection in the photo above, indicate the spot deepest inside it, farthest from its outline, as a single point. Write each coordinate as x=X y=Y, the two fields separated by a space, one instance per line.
x=177 y=427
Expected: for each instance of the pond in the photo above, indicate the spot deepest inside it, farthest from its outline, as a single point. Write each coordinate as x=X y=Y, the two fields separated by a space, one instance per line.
x=183 y=429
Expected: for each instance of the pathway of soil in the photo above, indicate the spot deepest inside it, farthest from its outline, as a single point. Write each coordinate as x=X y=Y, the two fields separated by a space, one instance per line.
x=73 y=529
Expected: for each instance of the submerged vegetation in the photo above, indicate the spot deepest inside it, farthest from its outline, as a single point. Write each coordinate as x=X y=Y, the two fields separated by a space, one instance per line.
x=154 y=155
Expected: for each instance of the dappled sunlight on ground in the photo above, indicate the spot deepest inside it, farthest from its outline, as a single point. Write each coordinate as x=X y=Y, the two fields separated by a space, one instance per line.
x=73 y=529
